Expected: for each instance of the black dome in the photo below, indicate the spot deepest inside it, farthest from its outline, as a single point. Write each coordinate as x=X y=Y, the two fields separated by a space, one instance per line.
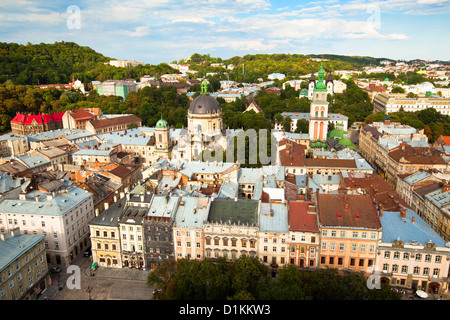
x=204 y=104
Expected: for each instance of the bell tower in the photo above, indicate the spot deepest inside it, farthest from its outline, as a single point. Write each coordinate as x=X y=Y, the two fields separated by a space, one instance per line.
x=162 y=135
x=318 y=114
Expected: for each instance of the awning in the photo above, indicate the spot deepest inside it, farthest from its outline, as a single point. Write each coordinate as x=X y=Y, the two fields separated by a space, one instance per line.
x=421 y=294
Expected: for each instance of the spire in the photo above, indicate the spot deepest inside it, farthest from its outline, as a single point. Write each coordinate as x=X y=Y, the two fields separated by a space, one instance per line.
x=320 y=86
x=312 y=78
x=321 y=72
x=204 y=87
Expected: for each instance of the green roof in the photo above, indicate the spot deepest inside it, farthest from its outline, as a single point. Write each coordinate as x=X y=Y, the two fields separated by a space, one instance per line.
x=337 y=133
x=320 y=86
x=347 y=142
x=162 y=123
x=234 y=211
x=303 y=92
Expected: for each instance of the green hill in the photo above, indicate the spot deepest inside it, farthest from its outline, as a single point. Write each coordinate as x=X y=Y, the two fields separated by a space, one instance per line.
x=250 y=68
x=42 y=63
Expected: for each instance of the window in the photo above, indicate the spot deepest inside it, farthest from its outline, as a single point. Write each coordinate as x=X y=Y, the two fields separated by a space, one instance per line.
x=363 y=248
x=396 y=255
x=405 y=256
x=387 y=254
x=341 y=247
x=418 y=257
x=426 y=271
x=332 y=246
x=416 y=270
x=355 y=234
x=324 y=246
x=404 y=269
x=436 y=272
x=438 y=259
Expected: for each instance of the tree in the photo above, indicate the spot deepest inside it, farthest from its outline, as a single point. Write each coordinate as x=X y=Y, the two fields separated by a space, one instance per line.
x=287 y=124
x=397 y=89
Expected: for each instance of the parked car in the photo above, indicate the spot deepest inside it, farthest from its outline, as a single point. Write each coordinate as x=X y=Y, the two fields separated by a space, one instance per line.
x=87 y=252
x=55 y=270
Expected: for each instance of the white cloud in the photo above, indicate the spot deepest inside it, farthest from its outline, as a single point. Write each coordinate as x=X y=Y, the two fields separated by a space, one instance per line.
x=138 y=31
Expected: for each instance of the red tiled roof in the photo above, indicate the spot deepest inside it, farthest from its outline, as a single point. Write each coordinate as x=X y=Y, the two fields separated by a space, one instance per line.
x=416 y=155
x=103 y=123
x=293 y=155
x=382 y=194
x=81 y=114
x=300 y=219
x=446 y=139
x=41 y=118
x=360 y=212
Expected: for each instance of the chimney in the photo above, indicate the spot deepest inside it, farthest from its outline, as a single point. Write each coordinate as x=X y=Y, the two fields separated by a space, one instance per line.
x=380 y=211
x=403 y=212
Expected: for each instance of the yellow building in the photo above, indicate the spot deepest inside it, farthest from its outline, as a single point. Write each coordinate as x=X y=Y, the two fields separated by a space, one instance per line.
x=105 y=236
x=350 y=230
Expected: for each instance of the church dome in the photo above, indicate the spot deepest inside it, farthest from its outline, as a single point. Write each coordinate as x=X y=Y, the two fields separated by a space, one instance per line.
x=162 y=123
x=204 y=103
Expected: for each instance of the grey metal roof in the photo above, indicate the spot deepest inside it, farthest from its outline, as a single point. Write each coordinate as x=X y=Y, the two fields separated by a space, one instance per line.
x=192 y=212
x=395 y=227
x=278 y=222
x=205 y=104
x=12 y=248
x=58 y=206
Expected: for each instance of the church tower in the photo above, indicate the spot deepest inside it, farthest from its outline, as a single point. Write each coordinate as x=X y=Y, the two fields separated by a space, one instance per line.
x=329 y=83
x=162 y=135
x=312 y=83
x=318 y=115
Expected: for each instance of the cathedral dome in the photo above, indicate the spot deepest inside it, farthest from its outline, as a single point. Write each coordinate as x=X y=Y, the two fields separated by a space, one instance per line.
x=204 y=103
x=162 y=123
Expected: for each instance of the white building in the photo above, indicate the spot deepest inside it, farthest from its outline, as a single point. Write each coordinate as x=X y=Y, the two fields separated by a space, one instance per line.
x=62 y=216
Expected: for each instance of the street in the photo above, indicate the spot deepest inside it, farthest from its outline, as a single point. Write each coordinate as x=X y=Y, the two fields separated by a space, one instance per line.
x=101 y=284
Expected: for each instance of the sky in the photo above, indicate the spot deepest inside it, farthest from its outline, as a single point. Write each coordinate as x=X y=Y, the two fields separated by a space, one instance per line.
x=157 y=31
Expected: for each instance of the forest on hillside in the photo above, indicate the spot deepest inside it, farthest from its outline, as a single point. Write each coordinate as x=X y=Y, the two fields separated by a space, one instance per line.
x=250 y=68
x=58 y=63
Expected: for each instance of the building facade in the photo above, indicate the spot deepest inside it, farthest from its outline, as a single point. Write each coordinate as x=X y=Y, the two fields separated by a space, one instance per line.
x=24 y=272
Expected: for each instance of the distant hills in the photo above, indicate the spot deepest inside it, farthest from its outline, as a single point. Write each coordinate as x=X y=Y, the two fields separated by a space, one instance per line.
x=42 y=63
x=57 y=63
x=249 y=68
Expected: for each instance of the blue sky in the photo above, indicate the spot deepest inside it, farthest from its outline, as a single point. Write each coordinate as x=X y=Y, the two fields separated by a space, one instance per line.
x=155 y=31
